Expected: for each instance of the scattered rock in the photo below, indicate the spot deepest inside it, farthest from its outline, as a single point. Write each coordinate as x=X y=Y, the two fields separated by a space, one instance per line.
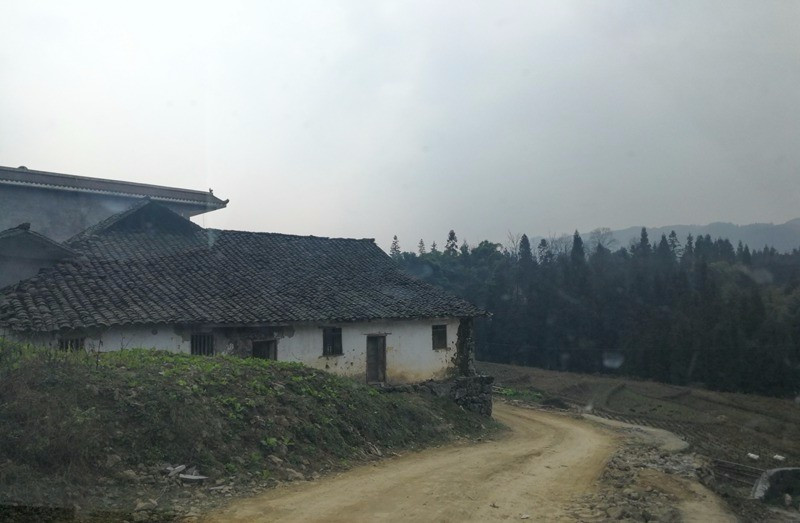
x=150 y=504
x=275 y=460
x=112 y=460
x=129 y=475
x=176 y=470
x=293 y=475
x=192 y=478
x=615 y=512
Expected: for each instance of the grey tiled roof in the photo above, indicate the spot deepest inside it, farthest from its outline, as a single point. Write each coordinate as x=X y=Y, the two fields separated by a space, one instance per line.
x=139 y=277
x=43 y=245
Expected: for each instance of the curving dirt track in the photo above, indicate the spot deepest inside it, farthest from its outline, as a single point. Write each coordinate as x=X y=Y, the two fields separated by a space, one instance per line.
x=535 y=469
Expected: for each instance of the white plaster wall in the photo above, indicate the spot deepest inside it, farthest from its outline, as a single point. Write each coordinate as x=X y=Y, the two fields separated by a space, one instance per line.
x=162 y=337
x=410 y=356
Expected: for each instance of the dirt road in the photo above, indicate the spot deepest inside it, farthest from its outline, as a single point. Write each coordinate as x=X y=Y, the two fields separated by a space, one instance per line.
x=535 y=469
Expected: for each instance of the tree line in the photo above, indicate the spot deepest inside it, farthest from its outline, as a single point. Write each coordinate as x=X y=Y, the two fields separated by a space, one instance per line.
x=693 y=311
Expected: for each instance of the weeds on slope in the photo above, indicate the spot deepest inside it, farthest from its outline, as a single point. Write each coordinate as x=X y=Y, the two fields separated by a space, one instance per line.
x=82 y=419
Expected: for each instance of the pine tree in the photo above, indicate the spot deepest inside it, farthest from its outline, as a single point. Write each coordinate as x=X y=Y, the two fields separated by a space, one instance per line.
x=577 y=254
x=544 y=253
x=434 y=248
x=663 y=251
x=689 y=249
x=675 y=245
x=525 y=253
x=642 y=249
x=464 y=248
x=421 y=247
x=451 y=246
x=394 y=250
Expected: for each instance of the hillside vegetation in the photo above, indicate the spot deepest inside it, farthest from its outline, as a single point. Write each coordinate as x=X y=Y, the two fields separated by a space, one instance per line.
x=99 y=430
x=685 y=311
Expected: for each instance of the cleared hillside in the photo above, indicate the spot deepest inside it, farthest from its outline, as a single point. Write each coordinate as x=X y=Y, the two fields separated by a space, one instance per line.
x=719 y=425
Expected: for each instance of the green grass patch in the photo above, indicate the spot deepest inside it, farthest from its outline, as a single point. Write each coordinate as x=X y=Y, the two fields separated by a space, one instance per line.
x=82 y=419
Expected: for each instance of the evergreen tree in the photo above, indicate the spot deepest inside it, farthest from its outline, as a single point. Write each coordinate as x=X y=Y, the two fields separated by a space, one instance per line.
x=434 y=249
x=451 y=246
x=642 y=249
x=746 y=257
x=525 y=253
x=577 y=253
x=544 y=252
x=663 y=252
x=675 y=245
x=394 y=250
x=421 y=247
x=688 y=251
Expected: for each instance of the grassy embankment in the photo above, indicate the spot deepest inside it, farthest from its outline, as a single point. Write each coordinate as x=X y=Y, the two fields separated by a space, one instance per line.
x=98 y=430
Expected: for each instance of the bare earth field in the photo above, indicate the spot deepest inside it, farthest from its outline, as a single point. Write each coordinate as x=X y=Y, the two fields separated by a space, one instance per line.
x=719 y=425
x=549 y=466
x=720 y=428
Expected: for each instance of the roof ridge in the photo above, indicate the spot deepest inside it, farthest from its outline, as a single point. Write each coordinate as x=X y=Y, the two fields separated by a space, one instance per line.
x=21 y=230
x=27 y=177
x=371 y=240
x=94 y=179
x=116 y=218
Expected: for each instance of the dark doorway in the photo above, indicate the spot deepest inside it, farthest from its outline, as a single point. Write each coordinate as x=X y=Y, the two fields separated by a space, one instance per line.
x=376 y=359
x=267 y=349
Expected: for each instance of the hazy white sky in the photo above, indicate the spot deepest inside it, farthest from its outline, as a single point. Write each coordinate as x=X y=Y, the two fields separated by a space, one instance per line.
x=369 y=119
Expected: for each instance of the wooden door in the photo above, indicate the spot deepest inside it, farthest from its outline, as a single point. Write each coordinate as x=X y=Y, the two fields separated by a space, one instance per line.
x=267 y=349
x=376 y=359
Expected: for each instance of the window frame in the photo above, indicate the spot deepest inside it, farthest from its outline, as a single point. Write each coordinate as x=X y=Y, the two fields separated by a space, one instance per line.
x=202 y=344
x=71 y=343
x=439 y=334
x=271 y=346
x=330 y=337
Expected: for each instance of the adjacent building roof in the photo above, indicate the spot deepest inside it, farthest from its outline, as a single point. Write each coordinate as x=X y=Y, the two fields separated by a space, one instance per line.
x=143 y=268
x=22 y=176
x=25 y=243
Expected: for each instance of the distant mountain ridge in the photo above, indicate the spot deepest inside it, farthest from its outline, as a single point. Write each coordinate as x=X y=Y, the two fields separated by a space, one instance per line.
x=784 y=237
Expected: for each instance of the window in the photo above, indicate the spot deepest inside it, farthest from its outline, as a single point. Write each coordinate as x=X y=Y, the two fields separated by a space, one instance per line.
x=439 y=336
x=265 y=349
x=331 y=341
x=203 y=344
x=71 y=344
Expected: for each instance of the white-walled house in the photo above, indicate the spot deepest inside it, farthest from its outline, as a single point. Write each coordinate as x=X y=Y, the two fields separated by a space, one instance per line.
x=148 y=277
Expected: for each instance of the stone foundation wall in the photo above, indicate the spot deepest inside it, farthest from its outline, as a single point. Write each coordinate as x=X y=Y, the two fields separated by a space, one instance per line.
x=473 y=393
